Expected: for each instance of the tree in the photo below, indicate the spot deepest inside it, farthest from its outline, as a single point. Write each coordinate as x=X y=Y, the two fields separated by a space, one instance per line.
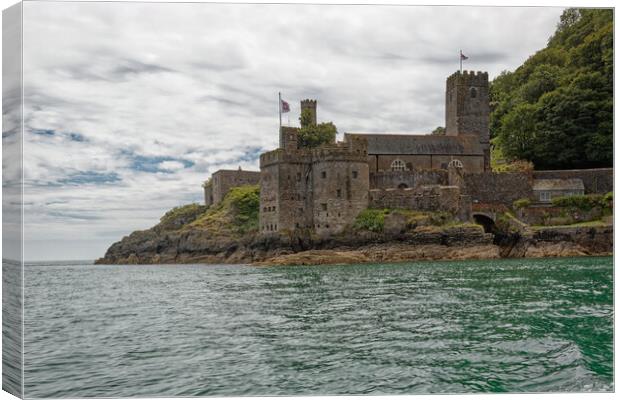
x=313 y=135
x=556 y=110
x=440 y=130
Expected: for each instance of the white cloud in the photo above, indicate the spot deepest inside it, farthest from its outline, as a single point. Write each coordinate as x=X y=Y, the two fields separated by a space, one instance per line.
x=130 y=106
x=171 y=165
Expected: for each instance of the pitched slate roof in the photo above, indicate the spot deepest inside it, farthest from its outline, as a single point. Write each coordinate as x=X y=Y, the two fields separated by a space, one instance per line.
x=558 y=184
x=386 y=143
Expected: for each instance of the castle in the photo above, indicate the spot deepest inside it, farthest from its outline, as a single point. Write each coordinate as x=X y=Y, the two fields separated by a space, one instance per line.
x=323 y=189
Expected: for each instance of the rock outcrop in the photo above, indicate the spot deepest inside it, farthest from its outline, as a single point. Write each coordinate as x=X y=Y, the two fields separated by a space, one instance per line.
x=227 y=233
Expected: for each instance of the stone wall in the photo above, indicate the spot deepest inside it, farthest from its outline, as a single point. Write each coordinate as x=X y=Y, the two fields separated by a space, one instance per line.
x=599 y=180
x=504 y=188
x=383 y=163
x=548 y=215
x=407 y=179
x=425 y=198
x=340 y=193
x=208 y=190
x=224 y=180
x=269 y=187
x=295 y=195
x=321 y=189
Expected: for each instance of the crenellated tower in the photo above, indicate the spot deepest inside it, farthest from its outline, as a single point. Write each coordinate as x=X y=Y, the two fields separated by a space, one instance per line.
x=308 y=104
x=467 y=108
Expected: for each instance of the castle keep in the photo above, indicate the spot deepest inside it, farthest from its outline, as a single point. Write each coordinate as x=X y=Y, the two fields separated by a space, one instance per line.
x=323 y=189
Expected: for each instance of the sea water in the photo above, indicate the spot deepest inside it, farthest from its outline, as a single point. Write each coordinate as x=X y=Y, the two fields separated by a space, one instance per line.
x=520 y=325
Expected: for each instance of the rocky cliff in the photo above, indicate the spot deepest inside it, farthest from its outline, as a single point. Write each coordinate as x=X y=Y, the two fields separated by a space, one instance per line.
x=227 y=233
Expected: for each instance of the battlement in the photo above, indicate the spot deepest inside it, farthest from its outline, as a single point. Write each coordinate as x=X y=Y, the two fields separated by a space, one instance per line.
x=308 y=103
x=468 y=78
x=282 y=156
x=352 y=150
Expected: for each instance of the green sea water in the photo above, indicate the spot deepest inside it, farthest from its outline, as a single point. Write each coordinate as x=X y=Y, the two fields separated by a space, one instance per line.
x=520 y=325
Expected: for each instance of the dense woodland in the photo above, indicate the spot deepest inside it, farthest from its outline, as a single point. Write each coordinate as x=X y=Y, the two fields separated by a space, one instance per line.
x=556 y=110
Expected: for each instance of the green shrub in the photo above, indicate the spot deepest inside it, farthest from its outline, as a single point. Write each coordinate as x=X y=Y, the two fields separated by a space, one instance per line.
x=371 y=220
x=440 y=218
x=234 y=216
x=521 y=203
x=313 y=135
x=608 y=197
x=245 y=204
x=580 y=202
x=182 y=215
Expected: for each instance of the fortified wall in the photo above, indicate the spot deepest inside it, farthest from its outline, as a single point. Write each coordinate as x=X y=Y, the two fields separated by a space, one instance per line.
x=503 y=188
x=322 y=189
x=223 y=180
x=424 y=198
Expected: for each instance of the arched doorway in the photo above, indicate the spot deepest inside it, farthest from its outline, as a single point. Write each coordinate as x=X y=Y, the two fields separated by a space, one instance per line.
x=403 y=186
x=487 y=223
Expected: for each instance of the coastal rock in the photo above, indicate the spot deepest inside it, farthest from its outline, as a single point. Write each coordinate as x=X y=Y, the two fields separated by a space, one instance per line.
x=183 y=237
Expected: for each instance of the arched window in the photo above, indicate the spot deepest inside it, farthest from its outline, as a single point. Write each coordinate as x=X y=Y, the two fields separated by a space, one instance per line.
x=473 y=93
x=398 y=165
x=456 y=163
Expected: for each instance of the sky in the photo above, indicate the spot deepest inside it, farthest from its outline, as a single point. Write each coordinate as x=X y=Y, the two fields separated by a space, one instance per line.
x=129 y=107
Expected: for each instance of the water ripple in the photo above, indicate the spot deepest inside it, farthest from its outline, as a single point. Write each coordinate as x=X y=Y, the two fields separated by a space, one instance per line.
x=434 y=327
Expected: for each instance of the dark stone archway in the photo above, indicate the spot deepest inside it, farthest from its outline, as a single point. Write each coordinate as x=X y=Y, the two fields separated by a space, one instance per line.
x=403 y=186
x=487 y=223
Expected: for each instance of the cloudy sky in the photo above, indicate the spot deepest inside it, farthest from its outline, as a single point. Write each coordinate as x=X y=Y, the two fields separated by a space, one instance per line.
x=129 y=107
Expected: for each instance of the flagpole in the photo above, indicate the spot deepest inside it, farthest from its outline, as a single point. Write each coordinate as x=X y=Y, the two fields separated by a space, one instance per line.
x=280 y=114
x=461 y=61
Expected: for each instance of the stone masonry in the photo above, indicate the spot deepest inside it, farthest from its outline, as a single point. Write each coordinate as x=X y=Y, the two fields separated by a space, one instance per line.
x=223 y=180
x=322 y=190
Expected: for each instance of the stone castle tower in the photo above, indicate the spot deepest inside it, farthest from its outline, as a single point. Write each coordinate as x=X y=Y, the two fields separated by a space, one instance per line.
x=467 y=108
x=320 y=189
x=308 y=104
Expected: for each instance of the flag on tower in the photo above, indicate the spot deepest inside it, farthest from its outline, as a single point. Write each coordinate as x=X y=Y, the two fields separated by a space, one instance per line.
x=463 y=57
x=284 y=107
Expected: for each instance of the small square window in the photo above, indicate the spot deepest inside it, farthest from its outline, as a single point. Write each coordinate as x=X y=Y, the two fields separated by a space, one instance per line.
x=338 y=193
x=323 y=174
x=324 y=206
x=354 y=174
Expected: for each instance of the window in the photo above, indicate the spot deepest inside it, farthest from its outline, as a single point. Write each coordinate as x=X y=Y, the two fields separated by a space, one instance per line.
x=354 y=174
x=338 y=193
x=398 y=165
x=323 y=174
x=324 y=206
x=473 y=93
x=545 y=196
x=299 y=176
x=456 y=164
